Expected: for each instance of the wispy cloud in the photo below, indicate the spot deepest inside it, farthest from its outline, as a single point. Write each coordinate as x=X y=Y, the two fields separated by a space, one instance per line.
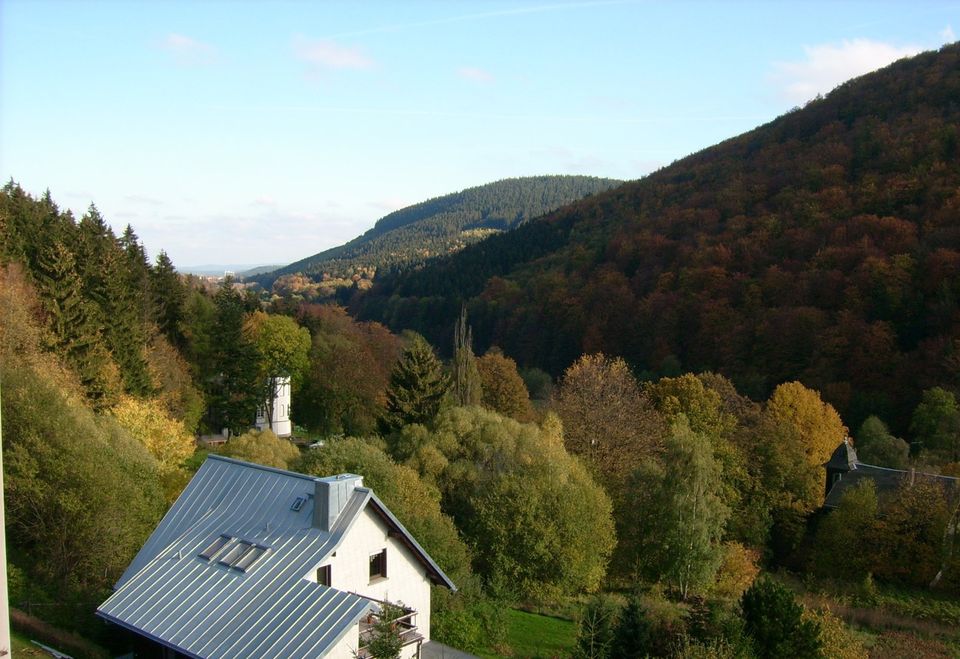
x=499 y=13
x=825 y=66
x=188 y=51
x=475 y=74
x=389 y=204
x=947 y=34
x=144 y=200
x=323 y=55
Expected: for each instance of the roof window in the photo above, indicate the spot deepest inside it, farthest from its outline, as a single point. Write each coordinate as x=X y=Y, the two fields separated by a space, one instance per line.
x=237 y=554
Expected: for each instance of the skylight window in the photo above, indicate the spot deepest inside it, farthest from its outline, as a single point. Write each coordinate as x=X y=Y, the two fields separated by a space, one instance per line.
x=215 y=547
x=297 y=504
x=233 y=555
x=247 y=561
x=237 y=554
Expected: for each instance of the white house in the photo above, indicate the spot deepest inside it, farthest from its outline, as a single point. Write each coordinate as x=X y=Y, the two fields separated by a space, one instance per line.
x=253 y=561
x=280 y=425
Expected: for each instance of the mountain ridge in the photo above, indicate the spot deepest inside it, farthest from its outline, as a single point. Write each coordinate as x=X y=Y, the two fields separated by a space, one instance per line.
x=442 y=224
x=778 y=254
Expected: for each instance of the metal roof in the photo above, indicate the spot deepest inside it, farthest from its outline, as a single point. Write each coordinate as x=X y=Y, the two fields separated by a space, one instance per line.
x=203 y=608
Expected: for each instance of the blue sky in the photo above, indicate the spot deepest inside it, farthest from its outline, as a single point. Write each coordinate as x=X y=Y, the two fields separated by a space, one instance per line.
x=263 y=132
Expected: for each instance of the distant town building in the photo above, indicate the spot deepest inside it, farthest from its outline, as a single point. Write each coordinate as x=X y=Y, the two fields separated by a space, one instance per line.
x=280 y=423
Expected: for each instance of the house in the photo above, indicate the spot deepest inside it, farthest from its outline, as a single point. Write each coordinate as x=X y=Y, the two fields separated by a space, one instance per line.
x=252 y=561
x=844 y=471
x=279 y=421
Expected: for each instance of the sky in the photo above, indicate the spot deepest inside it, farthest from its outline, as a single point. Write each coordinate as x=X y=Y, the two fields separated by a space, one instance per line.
x=254 y=132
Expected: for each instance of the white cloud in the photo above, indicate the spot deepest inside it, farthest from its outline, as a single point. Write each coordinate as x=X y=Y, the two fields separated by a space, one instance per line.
x=188 y=51
x=475 y=74
x=327 y=55
x=947 y=35
x=389 y=204
x=827 y=65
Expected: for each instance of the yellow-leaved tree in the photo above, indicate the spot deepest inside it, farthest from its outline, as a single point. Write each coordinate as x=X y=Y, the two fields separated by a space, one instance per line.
x=819 y=425
x=148 y=422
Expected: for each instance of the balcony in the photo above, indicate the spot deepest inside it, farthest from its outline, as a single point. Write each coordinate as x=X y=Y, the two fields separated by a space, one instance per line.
x=403 y=622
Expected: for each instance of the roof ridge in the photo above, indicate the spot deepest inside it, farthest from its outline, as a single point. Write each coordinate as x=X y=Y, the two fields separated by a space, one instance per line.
x=275 y=470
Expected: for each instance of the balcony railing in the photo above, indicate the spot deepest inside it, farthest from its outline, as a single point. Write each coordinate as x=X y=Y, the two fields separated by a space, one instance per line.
x=403 y=623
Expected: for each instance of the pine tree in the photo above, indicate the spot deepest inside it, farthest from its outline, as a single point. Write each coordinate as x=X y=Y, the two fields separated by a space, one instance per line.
x=417 y=389
x=467 y=389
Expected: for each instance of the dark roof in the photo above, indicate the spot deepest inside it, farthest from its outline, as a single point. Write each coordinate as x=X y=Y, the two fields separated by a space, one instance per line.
x=844 y=457
x=886 y=481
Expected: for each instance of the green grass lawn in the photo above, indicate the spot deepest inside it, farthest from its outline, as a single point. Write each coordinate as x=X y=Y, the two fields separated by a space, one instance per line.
x=22 y=647
x=532 y=635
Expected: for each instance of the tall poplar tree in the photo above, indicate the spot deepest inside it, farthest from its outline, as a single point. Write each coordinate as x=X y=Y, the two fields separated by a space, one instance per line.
x=467 y=389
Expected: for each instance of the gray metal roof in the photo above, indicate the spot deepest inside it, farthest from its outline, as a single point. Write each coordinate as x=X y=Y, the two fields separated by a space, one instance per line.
x=203 y=608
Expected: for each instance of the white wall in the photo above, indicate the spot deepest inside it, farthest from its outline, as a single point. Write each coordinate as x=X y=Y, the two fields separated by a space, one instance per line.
x=406 y=579
x=347 y=645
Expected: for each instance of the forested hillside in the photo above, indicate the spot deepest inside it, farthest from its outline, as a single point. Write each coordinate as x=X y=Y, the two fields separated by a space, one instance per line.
x=823 y=246
x=442 y=225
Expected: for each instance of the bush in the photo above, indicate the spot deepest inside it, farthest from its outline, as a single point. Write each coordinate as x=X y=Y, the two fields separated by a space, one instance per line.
x=774 y=621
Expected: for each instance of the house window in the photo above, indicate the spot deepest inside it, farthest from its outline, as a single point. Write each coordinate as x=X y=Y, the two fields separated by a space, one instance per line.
x=378 y=565
x=323 y=575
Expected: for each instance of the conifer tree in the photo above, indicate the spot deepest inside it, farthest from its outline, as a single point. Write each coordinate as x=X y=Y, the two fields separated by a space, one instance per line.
x=74 y=334
x=233 y=388
x=467 y=389
x=108 y=281
x=418 y=386
x=170 y=296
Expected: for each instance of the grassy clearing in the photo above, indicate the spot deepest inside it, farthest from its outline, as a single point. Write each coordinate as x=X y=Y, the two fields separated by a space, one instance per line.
x=21 y=646
x=532 y=635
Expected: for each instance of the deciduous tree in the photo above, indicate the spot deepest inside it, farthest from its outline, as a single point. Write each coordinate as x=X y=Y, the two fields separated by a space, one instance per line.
x=503 y=388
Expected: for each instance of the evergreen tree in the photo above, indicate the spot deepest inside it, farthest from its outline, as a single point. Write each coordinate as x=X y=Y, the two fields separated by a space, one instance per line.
x=595 y=630
x=633 y=636
x=74 y=334
x=170 y=297
x=773 y=619
x=233 y=389
x=467 y=389
x=108 y=281
x=418 y=386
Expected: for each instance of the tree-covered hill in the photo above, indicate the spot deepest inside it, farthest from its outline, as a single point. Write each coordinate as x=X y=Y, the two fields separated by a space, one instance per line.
x=823 y=246
x=443 y=225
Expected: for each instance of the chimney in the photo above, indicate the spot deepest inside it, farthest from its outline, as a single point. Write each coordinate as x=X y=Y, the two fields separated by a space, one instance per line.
x=331 y=495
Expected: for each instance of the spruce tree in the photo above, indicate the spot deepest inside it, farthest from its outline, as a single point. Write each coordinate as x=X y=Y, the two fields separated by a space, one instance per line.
x=233 y=388
x=75 y=335
x=170 y=296
x=417 y=388
x=109 y=282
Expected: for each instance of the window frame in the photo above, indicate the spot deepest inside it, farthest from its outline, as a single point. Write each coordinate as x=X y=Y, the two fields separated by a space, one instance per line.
x=378 y=565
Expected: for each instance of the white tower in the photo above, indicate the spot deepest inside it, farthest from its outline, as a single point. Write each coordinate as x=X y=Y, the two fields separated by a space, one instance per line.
x=281 y=425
